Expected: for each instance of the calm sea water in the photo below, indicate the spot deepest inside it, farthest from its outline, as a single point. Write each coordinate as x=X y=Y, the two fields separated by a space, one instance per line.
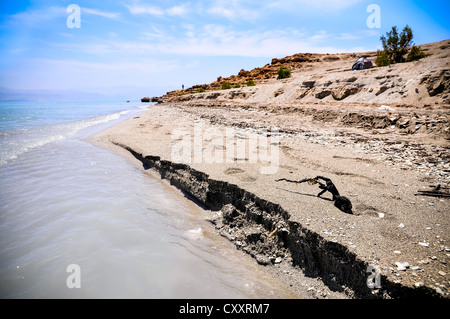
x=65 y=203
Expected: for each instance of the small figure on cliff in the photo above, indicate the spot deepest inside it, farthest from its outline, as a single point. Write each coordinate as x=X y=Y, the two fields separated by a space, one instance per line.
x=341 y=202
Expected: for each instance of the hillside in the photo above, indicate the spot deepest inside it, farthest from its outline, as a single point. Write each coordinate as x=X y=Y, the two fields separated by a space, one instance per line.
x=412 y=97
x=329 y=78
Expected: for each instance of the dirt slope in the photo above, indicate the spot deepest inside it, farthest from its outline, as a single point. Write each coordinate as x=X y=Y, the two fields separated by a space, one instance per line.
x=329 y=78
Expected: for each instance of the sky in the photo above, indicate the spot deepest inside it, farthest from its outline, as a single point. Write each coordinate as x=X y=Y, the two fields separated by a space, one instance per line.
x=136 y=48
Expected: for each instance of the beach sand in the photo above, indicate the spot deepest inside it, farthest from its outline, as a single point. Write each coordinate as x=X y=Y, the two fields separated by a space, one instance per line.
x=390 y=223
x=394 y=230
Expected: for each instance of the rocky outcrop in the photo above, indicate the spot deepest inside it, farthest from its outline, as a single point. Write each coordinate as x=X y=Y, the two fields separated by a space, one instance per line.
x=147 y=99
x=437 y=82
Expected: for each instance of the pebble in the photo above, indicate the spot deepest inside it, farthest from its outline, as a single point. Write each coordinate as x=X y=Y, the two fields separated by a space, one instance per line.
x=424 y=244
x=402 y=265
x=441 y=273
x=401 y=225
x=419 y=284
x=398 y=252
x=416 y=268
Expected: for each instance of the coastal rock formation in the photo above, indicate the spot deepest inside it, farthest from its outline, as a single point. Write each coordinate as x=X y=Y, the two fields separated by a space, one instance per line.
x=154 y=99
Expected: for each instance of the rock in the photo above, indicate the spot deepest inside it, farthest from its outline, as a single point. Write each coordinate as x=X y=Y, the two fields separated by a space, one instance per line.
x=262 y=260
x=342 y=93
x=145 y=99
x=322 y=94
x=229 y=212
x=424 y=244
x=441 y=273
x=402 y=265
x=309 y=84
x=244 y=73
x=437 y=83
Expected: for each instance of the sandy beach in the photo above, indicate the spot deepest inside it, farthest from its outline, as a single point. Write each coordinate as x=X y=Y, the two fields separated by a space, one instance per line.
x=227 y=148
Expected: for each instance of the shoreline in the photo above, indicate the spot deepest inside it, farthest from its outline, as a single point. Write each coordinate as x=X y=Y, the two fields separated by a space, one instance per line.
x=314 y=237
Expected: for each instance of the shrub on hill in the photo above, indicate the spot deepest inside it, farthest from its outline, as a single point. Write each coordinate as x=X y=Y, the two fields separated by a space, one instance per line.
x=382 y=59
x=226 y=86
x=284 y=73
x=416 y=53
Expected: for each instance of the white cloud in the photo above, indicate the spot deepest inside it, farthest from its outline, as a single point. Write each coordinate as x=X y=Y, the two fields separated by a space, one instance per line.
x=320 y=35
x=157 y=11
x=156 y=33
x=358 y=35
x=109 y=15
x=217 y=40
x=177 y=10
x=35 y=16
x=326 y=5
x=144 y=9
x=233 y=9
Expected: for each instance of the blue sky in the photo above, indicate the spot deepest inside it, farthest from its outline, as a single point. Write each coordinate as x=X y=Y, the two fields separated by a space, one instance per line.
x=150 y=47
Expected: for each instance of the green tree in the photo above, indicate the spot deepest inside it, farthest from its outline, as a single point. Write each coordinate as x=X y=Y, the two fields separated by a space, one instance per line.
x=396 y=45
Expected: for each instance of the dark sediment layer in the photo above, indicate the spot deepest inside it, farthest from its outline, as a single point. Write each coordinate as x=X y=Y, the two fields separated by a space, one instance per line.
x=264 y=230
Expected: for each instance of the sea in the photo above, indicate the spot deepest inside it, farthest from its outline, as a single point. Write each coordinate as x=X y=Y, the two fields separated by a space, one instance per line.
x=81 y=221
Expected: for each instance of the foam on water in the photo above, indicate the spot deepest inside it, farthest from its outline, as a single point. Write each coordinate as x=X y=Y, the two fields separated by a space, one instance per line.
x=17 y=142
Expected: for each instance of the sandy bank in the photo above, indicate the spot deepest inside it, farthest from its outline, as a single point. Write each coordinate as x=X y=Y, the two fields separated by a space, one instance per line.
x=391 y=223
